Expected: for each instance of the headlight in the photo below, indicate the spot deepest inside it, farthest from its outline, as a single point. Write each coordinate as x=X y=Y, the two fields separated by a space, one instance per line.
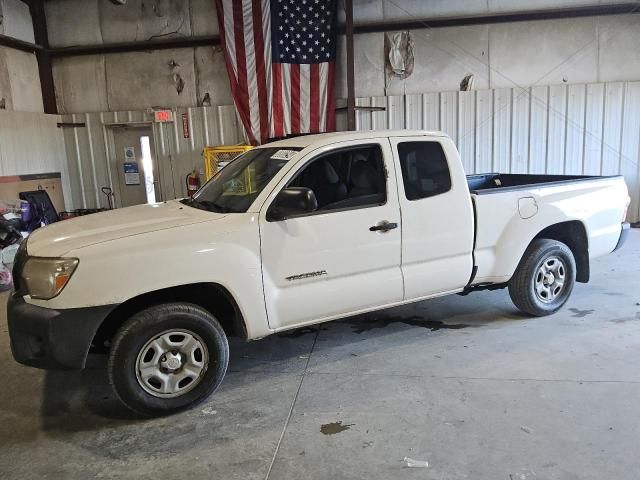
x=46 y=277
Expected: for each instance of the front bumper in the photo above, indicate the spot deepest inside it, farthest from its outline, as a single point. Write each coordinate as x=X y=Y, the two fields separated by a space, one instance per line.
x=624 y=233
x=52 y=339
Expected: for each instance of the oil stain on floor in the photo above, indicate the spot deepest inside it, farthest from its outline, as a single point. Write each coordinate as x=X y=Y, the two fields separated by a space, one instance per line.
x=364 y=325
x=626 y=319
x=300 y=332
x=335 y=427
x=577 y=313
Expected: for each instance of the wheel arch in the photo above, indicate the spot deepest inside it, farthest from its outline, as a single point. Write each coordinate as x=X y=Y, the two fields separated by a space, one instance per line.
x=573 y=234
x=213 y=297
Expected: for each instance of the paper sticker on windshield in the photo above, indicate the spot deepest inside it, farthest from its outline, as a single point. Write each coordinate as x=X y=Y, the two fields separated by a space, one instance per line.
x=283 y=154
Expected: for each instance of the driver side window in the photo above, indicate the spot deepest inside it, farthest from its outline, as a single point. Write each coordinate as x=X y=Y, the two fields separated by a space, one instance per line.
x=349 y=178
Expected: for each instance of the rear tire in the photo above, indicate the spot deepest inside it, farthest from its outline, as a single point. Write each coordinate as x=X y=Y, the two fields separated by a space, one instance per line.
x=168 y=358
x=544 y=279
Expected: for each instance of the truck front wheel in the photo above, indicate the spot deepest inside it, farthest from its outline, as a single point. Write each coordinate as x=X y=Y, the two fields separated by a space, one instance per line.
x=167 y=358
x=544 y=278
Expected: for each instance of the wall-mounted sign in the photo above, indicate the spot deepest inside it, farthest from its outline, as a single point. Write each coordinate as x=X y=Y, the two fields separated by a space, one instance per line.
x=129 y=154
x=131 y=173
x=186 y=130
x=163 y=116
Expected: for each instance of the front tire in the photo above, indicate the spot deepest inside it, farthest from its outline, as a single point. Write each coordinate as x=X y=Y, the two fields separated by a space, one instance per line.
x=544 y=279
x=167 y=358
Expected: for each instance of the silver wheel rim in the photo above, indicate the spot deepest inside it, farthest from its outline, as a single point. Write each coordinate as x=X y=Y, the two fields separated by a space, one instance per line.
x=172 y=363
x=550 y=279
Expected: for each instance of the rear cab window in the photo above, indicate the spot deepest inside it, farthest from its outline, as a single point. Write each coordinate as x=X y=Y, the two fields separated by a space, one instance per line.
x=425 y=170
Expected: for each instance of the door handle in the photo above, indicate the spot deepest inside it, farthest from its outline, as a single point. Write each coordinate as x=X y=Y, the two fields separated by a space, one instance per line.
x=383 y=226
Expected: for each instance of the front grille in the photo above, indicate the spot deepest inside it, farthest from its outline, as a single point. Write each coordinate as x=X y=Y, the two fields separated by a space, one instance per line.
x=18 y=266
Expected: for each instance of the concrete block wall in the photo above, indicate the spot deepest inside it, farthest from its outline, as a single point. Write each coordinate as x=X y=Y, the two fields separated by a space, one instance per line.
x=15 y=20
x=373 y=11
x=554 y=52
x=138 y=80
x=523 y=54
x=19 y=81
x=137 y=20
x=134 y=81
x=19 y=78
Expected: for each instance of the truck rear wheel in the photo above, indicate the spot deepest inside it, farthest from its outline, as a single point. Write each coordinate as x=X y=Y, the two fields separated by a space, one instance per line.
x=544 y=278
x=167 y=358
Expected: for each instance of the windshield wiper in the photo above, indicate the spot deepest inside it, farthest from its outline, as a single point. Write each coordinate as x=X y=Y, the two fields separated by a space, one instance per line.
x=213 y=206
x=205 y=205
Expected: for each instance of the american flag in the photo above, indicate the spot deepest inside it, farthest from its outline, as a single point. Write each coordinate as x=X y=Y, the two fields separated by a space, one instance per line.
x=280 y=57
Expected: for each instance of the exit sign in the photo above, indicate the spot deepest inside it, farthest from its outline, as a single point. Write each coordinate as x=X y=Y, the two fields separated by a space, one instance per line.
x=163 y=116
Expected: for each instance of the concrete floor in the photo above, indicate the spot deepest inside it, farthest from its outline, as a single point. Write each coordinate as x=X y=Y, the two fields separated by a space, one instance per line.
x=489 y=394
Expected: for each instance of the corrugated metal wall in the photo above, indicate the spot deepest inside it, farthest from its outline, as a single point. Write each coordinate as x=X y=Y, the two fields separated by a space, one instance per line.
x=32 y=143
x=567 y=129
x=92 y=159
x=573 y=129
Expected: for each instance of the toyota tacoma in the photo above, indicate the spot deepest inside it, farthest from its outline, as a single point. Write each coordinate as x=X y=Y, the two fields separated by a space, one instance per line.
x=294 y=233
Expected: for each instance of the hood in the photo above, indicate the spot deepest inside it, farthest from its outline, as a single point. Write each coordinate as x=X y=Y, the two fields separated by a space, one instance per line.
x=59 y=238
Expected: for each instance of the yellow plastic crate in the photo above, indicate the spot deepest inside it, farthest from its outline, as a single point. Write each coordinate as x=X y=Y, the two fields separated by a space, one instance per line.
x=215 y=156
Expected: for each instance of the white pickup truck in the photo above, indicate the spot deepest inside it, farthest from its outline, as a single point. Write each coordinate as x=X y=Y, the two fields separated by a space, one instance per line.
x=294 y=233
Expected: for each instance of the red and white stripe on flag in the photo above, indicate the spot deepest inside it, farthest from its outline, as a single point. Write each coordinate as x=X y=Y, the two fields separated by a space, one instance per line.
x=280 y=57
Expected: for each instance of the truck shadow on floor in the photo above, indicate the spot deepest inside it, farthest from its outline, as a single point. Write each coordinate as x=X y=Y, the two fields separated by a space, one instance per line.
x=75 y=401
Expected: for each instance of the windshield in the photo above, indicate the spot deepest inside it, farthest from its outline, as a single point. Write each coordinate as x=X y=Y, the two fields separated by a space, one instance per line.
x=238 y=184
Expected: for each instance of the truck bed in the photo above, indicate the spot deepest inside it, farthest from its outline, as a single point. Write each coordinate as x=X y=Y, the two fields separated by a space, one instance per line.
x=494 y=182
x=511 y=209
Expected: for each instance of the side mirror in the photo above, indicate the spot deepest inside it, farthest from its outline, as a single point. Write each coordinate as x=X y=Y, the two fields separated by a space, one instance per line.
x=292 y=201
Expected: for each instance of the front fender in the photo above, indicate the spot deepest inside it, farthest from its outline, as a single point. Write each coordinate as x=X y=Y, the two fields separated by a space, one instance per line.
x=226 y=252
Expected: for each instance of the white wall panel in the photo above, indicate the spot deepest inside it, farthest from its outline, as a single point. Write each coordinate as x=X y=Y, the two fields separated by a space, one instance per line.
x=467 y=129
x=32 y=143
x=91 y=157
x=484 y=131
x=449 y=114
x=501 y=119
x=630 y=146
x=431 y=111
x=413 y=111
x=363 y=120
x=575 y=132
x=612 y=124
x=520 y=131
x=378 y=119
x=395 y=112
x=557 y=130
x=591 y=129
x=593 y=123
x=538 y=129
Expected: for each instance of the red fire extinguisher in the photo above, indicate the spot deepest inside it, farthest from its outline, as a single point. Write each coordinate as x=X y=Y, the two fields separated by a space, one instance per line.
x=193 y=183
